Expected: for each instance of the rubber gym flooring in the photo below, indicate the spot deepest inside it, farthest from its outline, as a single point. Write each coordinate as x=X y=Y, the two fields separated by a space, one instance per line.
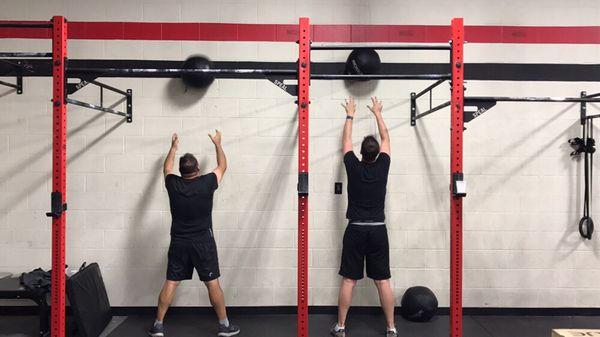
x=360 y=325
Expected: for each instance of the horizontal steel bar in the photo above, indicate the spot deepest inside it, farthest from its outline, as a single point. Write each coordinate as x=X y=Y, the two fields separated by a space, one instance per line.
x=429 y=88
x=432 y=110
x=95 y=107
x=532 y=99
x=116 y=71
x=25 y=25
x=385 y=46
x=108 y=87
x=380 y=77
x=12 y=85
x=592 y=116
x=593 y=95
x=24 y=54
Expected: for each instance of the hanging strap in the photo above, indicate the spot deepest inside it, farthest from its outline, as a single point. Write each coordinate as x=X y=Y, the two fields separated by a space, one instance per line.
x=586 y=224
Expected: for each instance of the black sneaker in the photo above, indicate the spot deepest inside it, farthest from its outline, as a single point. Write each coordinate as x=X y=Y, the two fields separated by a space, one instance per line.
x=337 y=333
x=228 y=331
x=158 y=330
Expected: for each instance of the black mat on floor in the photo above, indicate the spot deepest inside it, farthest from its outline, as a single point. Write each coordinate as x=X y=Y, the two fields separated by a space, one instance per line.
x=359 y=325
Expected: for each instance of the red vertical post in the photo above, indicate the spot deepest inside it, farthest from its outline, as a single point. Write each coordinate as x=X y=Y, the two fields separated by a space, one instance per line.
x=59 y=179
x=303 y=105
x=456 y=167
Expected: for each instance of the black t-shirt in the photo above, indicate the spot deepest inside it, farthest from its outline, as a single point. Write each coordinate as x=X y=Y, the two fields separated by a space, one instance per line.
x=191 y=202
x=366 y=187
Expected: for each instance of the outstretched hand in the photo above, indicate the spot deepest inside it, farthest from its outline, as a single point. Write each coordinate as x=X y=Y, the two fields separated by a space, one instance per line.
x=174 y=141
x=216 y=139
x=350 y=106
x=376 y=106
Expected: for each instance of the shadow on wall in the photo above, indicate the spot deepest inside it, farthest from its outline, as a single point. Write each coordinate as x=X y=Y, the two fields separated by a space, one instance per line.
x=361 y=88
x=18 y=168
x=8 y=92
x=570 y=240
x=273 y=177
x=136 y=233
x=427 y=149
x=182 y=96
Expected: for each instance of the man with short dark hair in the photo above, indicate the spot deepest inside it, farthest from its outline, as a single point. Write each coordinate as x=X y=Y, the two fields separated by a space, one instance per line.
x=192 y=242
x=366 y=234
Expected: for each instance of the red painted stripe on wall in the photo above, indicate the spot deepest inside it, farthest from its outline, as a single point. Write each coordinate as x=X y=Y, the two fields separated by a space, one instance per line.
x=321 y=33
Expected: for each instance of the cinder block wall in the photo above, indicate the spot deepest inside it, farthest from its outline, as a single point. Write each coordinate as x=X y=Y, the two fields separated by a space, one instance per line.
x=522 y=248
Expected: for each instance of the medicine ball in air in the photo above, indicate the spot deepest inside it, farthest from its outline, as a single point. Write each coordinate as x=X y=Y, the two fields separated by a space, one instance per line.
x=419 y=304
x=363 y=62
x=197 y=80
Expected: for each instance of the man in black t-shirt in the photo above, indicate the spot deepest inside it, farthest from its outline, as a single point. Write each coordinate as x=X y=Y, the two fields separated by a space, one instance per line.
x=366 y=234
x=192 y=242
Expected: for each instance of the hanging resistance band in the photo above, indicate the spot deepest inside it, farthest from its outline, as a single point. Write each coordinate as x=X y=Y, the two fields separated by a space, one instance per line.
x=586 y=145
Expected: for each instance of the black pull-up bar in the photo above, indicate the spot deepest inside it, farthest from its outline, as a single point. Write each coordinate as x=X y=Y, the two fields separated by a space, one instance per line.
x=25 y=54
x=118 y=71
x=441 y=77
x=387 y=46
x=534 y=99
x=25 y=25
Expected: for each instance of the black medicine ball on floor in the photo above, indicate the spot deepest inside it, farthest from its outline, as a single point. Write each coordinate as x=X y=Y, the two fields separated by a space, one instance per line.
x=197 y=80
x=419 y=304
x=363 y=62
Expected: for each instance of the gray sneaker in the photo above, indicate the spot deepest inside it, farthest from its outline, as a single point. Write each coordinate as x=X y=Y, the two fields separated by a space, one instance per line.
x=391 y=333
x=337 y=333
x=228 y=331
x=158 y=330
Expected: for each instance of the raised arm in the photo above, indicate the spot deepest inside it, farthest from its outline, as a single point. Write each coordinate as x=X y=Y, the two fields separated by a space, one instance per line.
x=219 y=171
x=383 y=131
x=170 y=160
x=350 y=108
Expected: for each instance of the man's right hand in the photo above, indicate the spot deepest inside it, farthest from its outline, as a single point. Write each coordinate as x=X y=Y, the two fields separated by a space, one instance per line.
x=376 y=107
x=216 y=139
x=174 y=141
x=350 y=106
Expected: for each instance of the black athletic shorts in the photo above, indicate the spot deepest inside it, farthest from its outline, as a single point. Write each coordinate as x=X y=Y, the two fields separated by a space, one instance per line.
x=200 y=254
x=370 y=243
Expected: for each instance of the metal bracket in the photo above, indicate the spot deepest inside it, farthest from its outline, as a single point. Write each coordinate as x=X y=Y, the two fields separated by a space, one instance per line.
x=74 y=87
x=57 y=207
x=291 y=89
x=583 y=109
x=303 y=183
x=413 y=102
x=18 y=68
x=482 y=107
x=18 y=86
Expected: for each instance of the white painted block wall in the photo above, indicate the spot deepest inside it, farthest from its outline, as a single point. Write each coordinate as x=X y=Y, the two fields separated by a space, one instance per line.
x=521 y=244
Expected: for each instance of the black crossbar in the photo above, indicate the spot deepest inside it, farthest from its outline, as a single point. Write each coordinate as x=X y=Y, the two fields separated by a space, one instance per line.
x=386 y=46
x=95 y=107
x=429 y=88
x=432 y=110
x=532 y=99
x=109 y=87
x=593 y=95
x=24 y=54
x=25 y=25
x=380 y=77
x=117 y=71
x=9 y=85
